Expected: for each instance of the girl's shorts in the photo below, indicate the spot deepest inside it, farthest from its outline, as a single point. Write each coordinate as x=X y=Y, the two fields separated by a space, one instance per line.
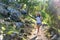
x=39 y=24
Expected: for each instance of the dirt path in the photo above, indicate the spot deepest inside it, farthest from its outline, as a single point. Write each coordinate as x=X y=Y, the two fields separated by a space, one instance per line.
x=39 y=36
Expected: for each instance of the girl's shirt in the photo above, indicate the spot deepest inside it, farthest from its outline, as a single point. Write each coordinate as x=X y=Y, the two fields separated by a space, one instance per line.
x=38 y=20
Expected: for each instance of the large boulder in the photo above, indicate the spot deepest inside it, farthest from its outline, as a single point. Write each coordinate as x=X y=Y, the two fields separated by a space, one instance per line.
x=2 y=4
x=18 y=5
x=3 y=11
x=10 y=9
x=15 y=16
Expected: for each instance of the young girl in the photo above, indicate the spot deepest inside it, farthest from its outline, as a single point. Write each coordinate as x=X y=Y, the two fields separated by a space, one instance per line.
x=38 y=21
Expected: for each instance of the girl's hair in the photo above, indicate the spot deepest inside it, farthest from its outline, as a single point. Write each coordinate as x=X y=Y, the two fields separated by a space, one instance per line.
x=38 y=14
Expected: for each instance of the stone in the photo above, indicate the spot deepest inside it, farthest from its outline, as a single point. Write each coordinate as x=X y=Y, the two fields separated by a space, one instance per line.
x=18 y=25
x=22 y=31
x=17 y=5
x=58 y=38
x=54 y=37
x=24 y=12
x=11 y=0
x=10 y=9
x=15 y=16
x=3 y=11
x=1 y=37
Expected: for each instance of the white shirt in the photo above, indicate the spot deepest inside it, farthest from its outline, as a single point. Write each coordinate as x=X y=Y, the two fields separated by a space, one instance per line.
x=38 y=19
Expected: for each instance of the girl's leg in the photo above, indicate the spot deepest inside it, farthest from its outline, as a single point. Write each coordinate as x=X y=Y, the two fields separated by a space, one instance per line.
x=38 y=29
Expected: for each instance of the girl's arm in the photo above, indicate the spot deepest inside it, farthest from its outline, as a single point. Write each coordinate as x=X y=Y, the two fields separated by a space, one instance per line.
x=41 y=18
